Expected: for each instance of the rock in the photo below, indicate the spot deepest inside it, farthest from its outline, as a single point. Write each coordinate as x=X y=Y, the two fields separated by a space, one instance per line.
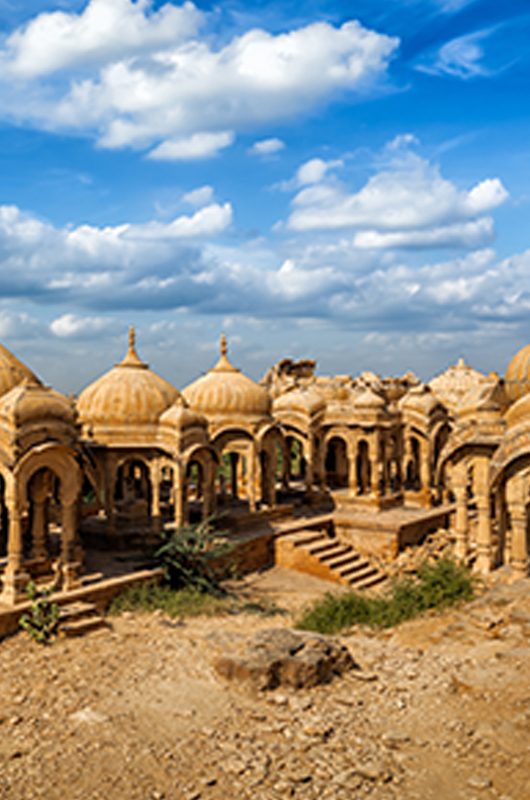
x=282 y=657
x=479 y=782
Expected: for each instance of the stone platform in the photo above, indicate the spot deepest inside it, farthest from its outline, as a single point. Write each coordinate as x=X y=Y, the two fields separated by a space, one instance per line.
x=384 y=533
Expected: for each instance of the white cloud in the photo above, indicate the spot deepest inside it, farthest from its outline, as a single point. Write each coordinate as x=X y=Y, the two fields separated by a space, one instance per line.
x=176 y=89
x=406 y=203
x=70 y=326
x=195 y=147
x=267 y=147
x=105 y=30
x=199 y=197
x=314 y=170
x=460 y=58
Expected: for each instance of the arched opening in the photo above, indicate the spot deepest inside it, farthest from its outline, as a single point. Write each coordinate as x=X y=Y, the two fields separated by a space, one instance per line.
x=195 y=479
x=412 y=468
x=336 y=463
x=167 y=499
x=363 y=469
x=296 y=466
x=42 y=535
x=132 y=490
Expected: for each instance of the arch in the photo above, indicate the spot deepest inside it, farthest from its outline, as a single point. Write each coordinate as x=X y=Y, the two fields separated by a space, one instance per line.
x=59 y=460
x=336 y=463
x=363 y=467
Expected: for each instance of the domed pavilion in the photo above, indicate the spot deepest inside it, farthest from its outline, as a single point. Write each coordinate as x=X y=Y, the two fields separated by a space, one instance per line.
x=241 y=429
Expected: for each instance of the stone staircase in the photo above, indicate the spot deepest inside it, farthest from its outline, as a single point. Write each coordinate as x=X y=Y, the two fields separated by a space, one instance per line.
x=316 y=553
x=77 y=619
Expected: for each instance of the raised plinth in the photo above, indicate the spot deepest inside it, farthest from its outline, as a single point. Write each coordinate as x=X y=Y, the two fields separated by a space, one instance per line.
x=385 y=532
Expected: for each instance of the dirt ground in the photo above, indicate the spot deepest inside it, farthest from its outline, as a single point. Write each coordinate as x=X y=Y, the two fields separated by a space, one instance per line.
x=440 y=709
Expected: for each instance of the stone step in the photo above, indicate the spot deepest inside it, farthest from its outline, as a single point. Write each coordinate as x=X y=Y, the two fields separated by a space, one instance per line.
x=79 y=627
x=358 y=568
x=301 y=538
x=348 y=559
x=319 y=548
x=75 y=611
x=367 y=583
x=332 y=555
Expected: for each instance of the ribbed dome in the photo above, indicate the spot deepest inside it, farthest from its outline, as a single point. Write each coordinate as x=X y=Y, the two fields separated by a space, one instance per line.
x=225 y=391
x=130 y=393
x=179 y=415
x=517 y=378
x=12 y=371
x=419 y=399
x=305 y=401
x=30 y=401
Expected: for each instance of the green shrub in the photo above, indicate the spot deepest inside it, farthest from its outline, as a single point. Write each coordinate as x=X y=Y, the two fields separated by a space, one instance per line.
x=42 y=620
x=188 y=602
x=195 y=556
x=436 y=586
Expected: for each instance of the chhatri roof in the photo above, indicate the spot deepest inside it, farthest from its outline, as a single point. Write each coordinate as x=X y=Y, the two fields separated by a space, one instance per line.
x=453 y=386
x=32 y=402
x=225 y=392
x=12 y=371
x=517 y=378
x=129 y=394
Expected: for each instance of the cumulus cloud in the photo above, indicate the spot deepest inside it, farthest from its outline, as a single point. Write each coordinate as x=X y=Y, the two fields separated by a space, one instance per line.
x=80 y=74
x=267 y=147
x=105 y=30
x=199 y=197
x=406 y=203
x=71 y=326
x=193 y=148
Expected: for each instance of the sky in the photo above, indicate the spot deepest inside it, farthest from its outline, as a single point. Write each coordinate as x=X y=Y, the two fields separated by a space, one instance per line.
x=343 y=181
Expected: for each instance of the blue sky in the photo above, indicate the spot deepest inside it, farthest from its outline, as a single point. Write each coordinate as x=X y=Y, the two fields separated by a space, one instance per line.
x=342 y=181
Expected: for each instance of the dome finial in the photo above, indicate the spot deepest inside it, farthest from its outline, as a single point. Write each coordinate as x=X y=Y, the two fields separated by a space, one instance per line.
x=223 y=345
x=132 y=358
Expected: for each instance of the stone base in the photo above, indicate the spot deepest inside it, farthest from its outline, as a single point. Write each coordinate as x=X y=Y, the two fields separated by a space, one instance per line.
x=420 y=499
x=14 y=588
x=345 y=499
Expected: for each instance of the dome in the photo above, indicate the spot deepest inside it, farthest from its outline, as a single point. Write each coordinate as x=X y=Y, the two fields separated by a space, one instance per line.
x=304 y=401
x=225 y=391
x=420 y=399
x=12 y=371
x=179 y=416
x=368 y=399
x=517 y=378
x=519 y=412
x=453 y=386
x=30 y=401
x=129 y=394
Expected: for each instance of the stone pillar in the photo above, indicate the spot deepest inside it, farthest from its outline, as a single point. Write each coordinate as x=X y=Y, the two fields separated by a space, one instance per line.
x=15 y=578
x=484 y=538
x=154 y=511
x=208 y=490
x=516 y=497
x=425 y=472
x=374 y=468
x=310 y=466
x=459 y=476
x=352 y=470
x=178 y=495
x=70 y=567
x=251 y=477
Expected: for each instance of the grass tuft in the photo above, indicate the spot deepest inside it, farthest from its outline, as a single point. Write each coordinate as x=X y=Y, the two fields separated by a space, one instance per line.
x=187 y=602
x=437 y=586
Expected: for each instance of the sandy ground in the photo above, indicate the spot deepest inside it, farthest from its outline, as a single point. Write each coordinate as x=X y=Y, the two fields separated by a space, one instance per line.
x=137 y=712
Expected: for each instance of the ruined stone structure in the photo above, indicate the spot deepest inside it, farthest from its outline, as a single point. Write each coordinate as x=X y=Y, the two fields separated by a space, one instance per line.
x=134 y=453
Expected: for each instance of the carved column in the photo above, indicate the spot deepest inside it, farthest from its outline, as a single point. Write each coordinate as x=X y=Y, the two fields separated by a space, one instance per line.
x=459 y=476
x=40 y=489
x=374 y=468
x=154 y=511
x=70 y=566
x=484 y=538
x=178 y=495
x=251 y=477
x=352 y=469
x=516 y=496
x=15 y=579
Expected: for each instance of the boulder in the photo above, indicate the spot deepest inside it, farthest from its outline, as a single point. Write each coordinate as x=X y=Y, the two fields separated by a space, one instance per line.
x=282 y=657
